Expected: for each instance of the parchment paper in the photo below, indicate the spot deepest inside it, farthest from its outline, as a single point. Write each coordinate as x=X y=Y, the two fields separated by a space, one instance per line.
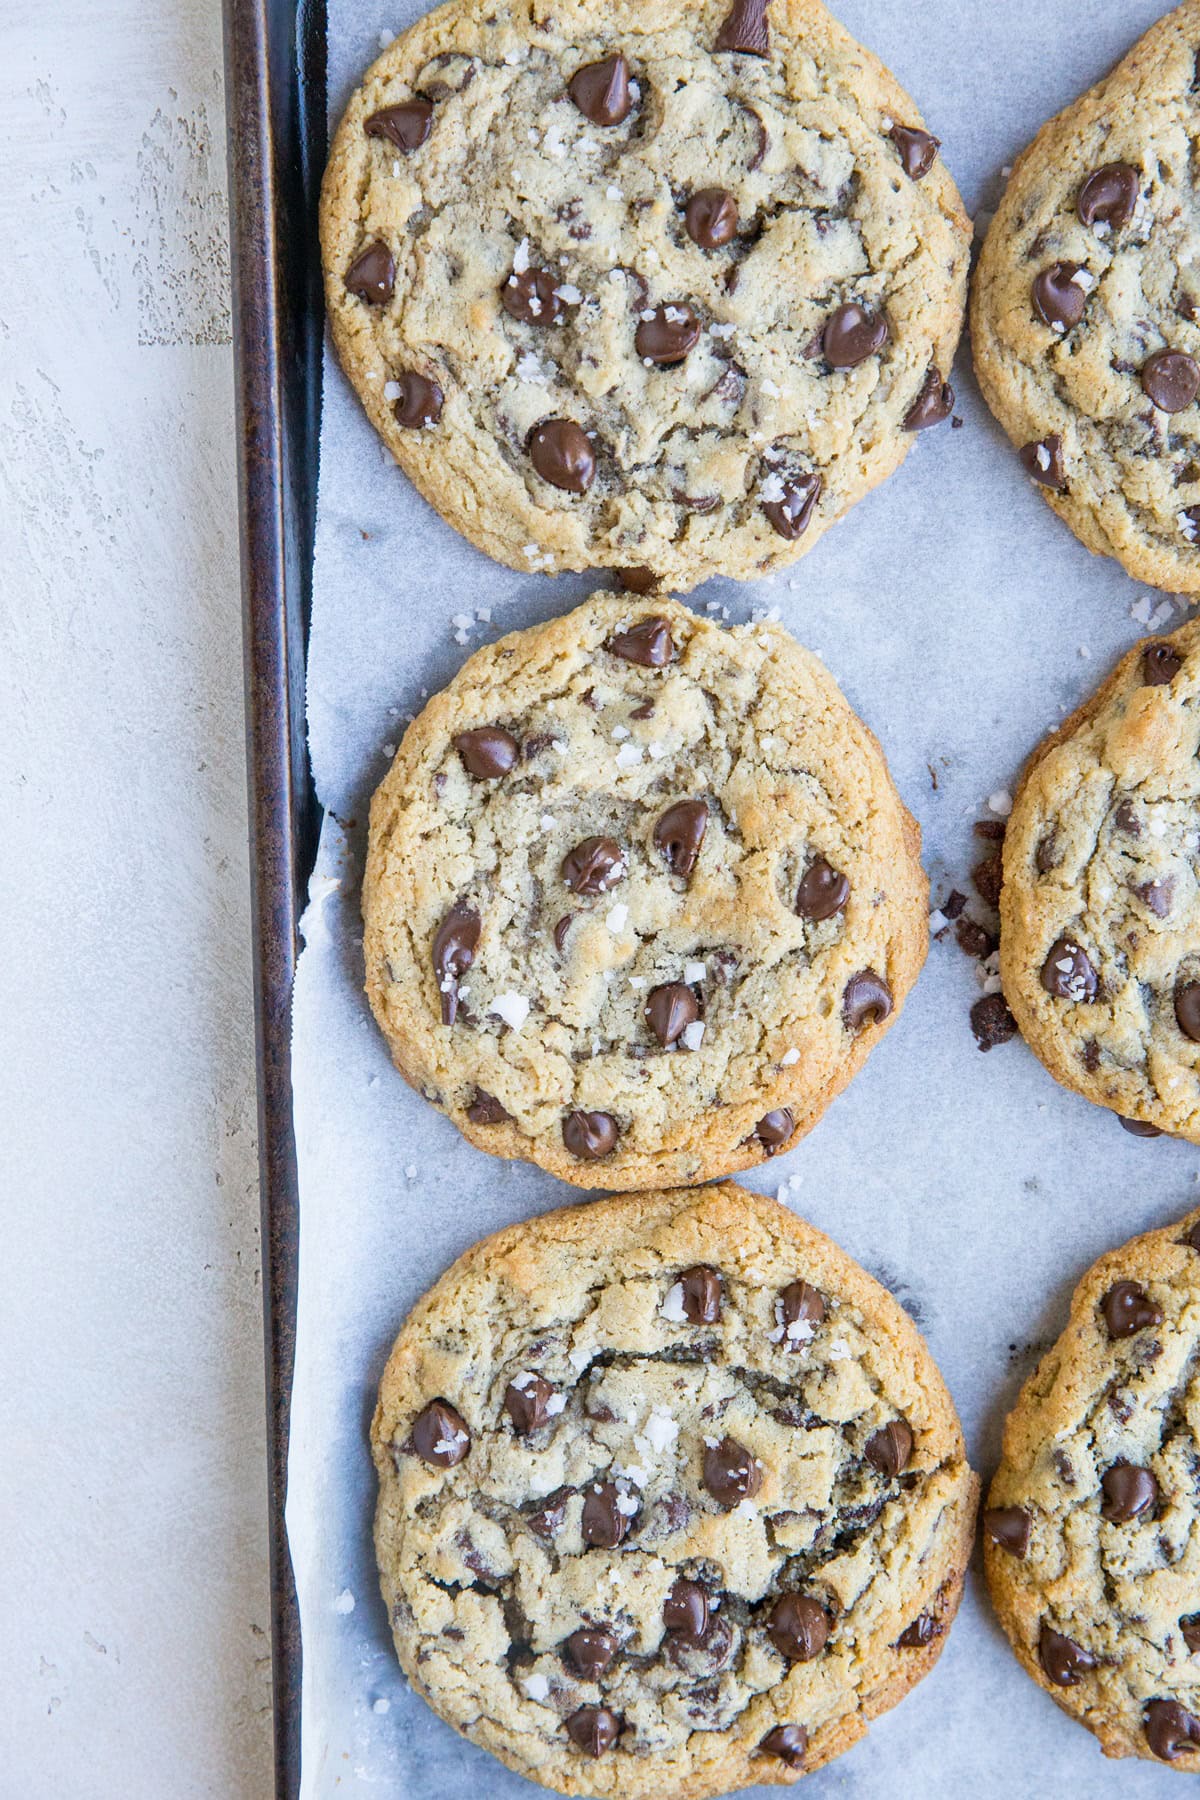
x=961 y=619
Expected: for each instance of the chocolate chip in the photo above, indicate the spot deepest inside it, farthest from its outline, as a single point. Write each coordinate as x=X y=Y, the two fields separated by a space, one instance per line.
x=920 y=1633
x=991 y=829
x=1065 y=1661
x=889 y=1448
x=1068 y=974
x=853 y=334
x=590 y=1135
x=485 y=1109
x=419 y=402
x=679 y=834
x=686 y=1609
x=670 y=1010
x=988 y=877
x=525 y=1402
x=406 y=125
x=601 y=90
x=1109 y=194
x=1127 y=1309
x=1172 y=380
x=594 y=1729
x=801 y=1305
x=731 y=1472
x=1009 y=1527
x=790 y=512
x=372 y=274
x=530 y=297
x=798 y=1626
x=701 y=1295
x=560 y=452
x=1187 y=1010
x=1043 y=460
x=548 y=1518
x=561 y=930
x=649 y=643
x=1170 y=1729
x=774 y=1129
x=440 y=1436
x=788 y=1743
x=638 y=580
x=1058 y=299
x=823 y=891
x=1125 y=819
x=1190 y=1627
x=454 y=950
x=593 y=865
x=603 y=1523
x=953 y=904
x=933 y=404
x=866 y=1001
x=1138 y=1128
x=668 y=335
x=1128 y=1493
x=711 y=217
x=1161 y=663
x=487 y=752
x=590 y=1652
x=1157 y=895
x=745 y=29
x=992 y=1022
x=1192 y=1238
x=918 y=149
x=973 y=940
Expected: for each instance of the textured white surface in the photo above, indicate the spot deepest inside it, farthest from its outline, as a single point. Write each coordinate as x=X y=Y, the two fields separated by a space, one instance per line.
x=133 y=1655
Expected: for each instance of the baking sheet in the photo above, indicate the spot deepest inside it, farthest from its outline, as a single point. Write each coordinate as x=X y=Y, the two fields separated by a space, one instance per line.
x=961 y=620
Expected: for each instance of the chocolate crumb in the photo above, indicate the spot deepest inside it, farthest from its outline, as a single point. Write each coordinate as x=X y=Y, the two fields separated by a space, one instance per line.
x=992 y=1022
x=974 y=940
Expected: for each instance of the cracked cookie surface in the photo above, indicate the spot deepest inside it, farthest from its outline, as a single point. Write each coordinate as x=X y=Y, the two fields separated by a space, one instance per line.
x=672 y=1496
x=1100 y=905
x=1090 y=1542
x=1085 y=310
x=640 y=895
x=619 y=289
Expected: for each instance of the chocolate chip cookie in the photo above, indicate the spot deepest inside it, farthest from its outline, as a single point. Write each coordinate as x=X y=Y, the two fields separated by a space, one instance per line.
x=672 y=1497
x=1085 y=311
x=659 y=287
x=1090 y=1541
x=1100 y=904
x=640 y=895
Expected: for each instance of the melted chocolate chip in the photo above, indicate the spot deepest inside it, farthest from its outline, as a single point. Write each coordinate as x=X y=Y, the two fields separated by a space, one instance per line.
x=594 y=1729
x=1125 y=819
x=1172 y=380
x=731 y=1472
x=1068 y=974
x=1190 y=1628
x=593 y=866
x=686 y=1610
x=668 y=335
x=745 y=29
x=561 y=930
x=603 y=1523
x=920 y=1633
x=1009 y=1527
x=1043 y=460
x=440 y=1436
x=700 y=1294
x=798 y=1626
x=823 y=891
x=670 y=1010
x=1128 y=1493
x=790 y=512
x=1161 y=663
x=525 y=1402
x=487 y=752
x=1065 y=1661
x=866 y=1001
x=454 y=950
x=419 y=402
x=711 y=217
x=932 y=406
x=1138 y=1128
x=803 y=1306
x=648 y=643
x=590 y=1135
x=590 y=1652
x=853 y=334
x=1187 y=1010
x=788 y=1743
x=372 y=274
x=1170 y=1729
x=774 y=1129
x=1109 y=195
x=406 y=125
x=638 y=580
x=1127 y=1308
x=679 y=834
x=560 y=452
x=548 y=1518
x=918 y=149
x=1058 y=299
x=485 y=1109
x=530 y=297
x=1157 y=895
x=992 y=1022
x=889 y=1448
x=601 y=90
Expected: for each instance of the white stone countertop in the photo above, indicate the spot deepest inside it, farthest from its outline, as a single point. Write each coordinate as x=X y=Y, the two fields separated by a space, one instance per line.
x=134 y=1647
